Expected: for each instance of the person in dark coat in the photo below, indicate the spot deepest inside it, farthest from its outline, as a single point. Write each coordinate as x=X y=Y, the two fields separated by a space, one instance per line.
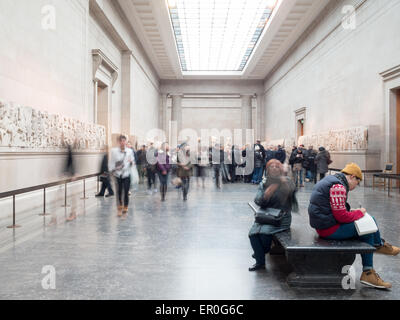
x=280 y=154
x=201 y=165
x=70 y=172
x=141 y=163
x=217 y=158
x=163 y=168
x=184 y=169
x=322 y=160
x=151 y=168
x=276 y=191
x=309 y=164
x=225 y=171
x=297 y=160
x=248 y=167
x=269 y=154
x=258 y=144
x=232 y=165
x=105 y=177
x=237 y=162
x=292 y=156
x=258 y=164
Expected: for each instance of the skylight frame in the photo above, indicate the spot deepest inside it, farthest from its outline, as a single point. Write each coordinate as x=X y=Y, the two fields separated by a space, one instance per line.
x=192 y=15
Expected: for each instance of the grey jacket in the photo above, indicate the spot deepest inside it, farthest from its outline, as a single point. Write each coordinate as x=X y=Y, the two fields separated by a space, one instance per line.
x=322 y=161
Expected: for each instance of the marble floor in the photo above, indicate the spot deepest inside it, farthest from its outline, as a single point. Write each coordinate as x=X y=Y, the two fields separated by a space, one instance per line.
x=197 y=249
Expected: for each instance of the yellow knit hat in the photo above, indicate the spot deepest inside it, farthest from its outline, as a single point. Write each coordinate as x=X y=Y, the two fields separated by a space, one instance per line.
x=354 y=170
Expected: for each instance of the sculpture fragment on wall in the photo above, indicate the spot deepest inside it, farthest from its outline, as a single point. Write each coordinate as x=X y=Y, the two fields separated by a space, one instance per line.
x=351 y=139
x=27 y=128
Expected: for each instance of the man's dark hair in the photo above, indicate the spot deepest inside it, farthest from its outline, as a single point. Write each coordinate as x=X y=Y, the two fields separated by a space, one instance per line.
x=121 y=137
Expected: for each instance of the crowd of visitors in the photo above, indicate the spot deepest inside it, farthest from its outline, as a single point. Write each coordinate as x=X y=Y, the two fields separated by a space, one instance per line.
x=279 y=176
x=227 y=164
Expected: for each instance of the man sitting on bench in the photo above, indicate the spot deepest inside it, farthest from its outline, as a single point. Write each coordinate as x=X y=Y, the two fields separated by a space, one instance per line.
x=276 y=191
x=332 y=218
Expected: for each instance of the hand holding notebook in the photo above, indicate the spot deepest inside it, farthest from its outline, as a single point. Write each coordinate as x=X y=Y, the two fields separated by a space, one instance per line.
x=366 y=225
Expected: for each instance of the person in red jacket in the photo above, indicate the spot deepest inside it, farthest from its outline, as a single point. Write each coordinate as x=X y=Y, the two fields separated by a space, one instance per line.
x=331 y=216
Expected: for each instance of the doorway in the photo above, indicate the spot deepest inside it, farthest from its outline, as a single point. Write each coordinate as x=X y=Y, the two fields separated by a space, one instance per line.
x=300 y=116
x=300 y=128
x=103 y=113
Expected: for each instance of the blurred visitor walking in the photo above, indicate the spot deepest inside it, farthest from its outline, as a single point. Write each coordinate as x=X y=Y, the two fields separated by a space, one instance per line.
x=122 y=159
x=163 y=168
x=105 y=177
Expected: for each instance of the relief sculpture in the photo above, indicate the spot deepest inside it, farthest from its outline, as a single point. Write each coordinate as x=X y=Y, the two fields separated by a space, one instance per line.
x=25 y=127
x=352 y=139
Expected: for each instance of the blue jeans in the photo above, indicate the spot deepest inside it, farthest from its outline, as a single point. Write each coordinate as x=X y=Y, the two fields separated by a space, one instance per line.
x=349 y=231
x=257 y=175
x=298 y=173
x=261 y=245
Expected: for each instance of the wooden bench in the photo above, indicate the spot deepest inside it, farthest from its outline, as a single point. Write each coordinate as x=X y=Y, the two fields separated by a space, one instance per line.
x=315 y=262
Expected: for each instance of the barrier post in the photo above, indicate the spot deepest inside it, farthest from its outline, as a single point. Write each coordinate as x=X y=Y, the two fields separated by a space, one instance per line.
x=13 y=225
x=84 y=190
x=65 y=197
x=44 y=204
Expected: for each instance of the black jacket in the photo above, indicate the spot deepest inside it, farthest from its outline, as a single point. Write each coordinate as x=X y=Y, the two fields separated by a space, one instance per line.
x=309 y=160
x=291 y=159
x=258 y=158
x=280 y=155
x=319 y=209
x=269 y=155
x=296 y=157
x=104 y=164
x=70 y=165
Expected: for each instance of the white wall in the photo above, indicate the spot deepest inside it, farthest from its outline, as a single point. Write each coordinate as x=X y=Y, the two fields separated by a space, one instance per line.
x=146 y=101
x=212 y=113
x=45 y=69
x=98 y=39
x=338 y=81
x=51 y=70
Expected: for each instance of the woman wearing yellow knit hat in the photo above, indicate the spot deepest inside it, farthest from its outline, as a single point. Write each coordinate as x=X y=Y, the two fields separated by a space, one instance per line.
x=331 y=216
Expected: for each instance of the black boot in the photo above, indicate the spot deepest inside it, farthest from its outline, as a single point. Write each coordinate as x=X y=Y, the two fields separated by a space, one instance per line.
x=163 y=191
x=257 y=267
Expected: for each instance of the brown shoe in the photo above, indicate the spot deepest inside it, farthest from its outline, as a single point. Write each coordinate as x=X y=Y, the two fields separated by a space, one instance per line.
x=372 y=279
x=125 y=210
x=71 y=217
x=119 y=211
x=388 y=249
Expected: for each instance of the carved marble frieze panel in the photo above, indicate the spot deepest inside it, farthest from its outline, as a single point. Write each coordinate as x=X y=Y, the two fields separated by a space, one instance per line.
x=351 y=139
x=24 y=128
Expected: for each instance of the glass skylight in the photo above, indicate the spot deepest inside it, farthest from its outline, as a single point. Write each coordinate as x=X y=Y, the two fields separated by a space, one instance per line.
x=218 y=35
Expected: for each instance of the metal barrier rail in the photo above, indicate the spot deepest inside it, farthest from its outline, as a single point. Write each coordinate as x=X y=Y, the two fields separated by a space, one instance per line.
x=389 y=176
x=65 y=182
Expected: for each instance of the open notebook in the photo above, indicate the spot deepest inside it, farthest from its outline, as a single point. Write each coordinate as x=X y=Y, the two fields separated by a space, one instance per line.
x=366 y=225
